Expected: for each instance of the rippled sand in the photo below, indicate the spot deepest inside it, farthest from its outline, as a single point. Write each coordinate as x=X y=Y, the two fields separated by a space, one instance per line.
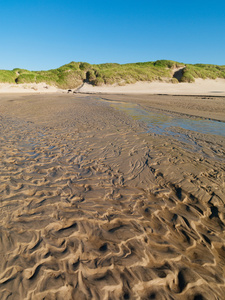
x=92 y=207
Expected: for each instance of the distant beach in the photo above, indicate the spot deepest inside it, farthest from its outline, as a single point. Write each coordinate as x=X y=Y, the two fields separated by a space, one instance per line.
x=210 y=87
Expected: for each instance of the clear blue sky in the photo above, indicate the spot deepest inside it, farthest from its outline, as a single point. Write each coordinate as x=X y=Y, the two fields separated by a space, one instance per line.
x=45 y=34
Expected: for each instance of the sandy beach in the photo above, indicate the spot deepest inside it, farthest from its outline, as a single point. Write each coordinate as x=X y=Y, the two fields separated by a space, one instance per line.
x=102 y=200
x=204 y=87
x=199 y=87
x=28 y=88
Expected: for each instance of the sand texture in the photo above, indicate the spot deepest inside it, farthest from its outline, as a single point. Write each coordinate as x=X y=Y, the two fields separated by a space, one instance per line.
x=210 y=87
x=95 y=207
x=199 y=87
x=28 y=88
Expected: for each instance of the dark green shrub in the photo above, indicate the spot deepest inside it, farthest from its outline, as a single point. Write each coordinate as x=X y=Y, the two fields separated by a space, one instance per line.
x=98 y=81
x=90 y=76
x=26 y=78
x=187 y=77
x=84 y=66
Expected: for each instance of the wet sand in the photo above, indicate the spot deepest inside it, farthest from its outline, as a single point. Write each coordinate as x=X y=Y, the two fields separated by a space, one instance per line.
x=205 y=106
x=95 y=207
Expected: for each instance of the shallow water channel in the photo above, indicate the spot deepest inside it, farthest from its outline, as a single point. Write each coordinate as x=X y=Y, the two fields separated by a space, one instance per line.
x=163 y=123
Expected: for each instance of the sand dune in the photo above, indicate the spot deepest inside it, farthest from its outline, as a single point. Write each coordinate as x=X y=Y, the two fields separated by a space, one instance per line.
x=93 y=207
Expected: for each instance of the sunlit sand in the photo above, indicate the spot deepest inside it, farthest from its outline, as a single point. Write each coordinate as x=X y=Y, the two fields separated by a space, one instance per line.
x=95 y=205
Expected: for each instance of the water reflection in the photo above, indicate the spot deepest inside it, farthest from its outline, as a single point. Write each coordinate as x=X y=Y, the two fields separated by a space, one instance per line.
x=163 y=124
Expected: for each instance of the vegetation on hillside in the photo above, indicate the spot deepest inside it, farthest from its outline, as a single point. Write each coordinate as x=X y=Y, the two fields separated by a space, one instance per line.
x=202 y=71
x=74 y=74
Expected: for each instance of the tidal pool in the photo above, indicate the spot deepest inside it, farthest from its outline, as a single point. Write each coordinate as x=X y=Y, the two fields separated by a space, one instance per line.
x=160 y=123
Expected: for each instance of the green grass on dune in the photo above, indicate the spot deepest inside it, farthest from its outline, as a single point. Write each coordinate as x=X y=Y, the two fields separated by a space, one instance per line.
x=72 y=75
x=131 y=73
x=202 y=71
x=7 y=76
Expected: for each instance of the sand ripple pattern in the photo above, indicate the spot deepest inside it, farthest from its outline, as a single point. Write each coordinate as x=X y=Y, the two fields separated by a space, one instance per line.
x=94 y=209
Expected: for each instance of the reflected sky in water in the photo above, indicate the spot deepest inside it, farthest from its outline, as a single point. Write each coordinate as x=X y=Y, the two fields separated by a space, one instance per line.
x=161 y=123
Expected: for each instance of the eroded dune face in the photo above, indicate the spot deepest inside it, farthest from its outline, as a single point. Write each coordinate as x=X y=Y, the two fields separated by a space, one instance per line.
x=92 y=207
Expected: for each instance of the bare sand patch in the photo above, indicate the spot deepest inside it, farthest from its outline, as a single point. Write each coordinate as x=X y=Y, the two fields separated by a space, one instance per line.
x=199 y=87
x=93 y=207
x=31 y=88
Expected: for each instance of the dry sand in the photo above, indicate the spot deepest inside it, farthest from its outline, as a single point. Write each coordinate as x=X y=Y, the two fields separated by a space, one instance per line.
x=93 y=207
x=199 y=87
x=25 y=88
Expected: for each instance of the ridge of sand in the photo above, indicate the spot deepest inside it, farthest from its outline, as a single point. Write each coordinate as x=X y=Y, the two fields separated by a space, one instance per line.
x=199 y=87
x=92 y=207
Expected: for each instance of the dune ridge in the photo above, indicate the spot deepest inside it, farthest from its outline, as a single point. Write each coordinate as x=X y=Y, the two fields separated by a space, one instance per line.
x=75 y=74
x=92 y=207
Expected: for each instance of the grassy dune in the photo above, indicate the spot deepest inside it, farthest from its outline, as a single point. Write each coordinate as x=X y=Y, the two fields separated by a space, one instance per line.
x=74 y=74
x=202 y=71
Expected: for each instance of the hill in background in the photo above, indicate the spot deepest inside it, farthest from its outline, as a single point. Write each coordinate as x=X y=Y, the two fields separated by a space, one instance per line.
x=74 y=74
